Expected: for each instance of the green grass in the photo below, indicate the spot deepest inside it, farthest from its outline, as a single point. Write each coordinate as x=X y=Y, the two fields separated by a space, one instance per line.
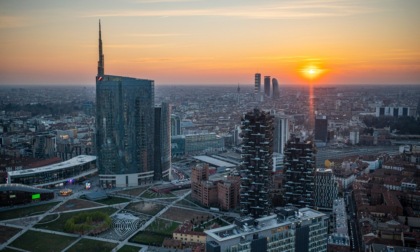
x=26 y=211
x=155 y=233
x=148 y=208
x=128 y=248
x=112 y=200
x=92 y=246
x=40 y=241
x=163 y=226
x=149 y=238
x=7 y=249
x=185 y=202
x=58 y=225
x=152 y=195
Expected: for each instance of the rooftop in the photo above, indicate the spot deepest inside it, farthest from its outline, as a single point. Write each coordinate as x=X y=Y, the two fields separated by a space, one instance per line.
x=79 y=160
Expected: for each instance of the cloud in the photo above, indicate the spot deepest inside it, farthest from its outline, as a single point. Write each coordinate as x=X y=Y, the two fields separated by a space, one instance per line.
x=277 y=10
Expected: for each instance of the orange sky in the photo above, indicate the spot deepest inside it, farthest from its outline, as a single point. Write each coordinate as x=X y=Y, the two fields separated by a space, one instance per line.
x=211 y=42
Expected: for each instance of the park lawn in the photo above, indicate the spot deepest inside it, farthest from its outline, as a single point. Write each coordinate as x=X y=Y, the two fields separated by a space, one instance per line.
x=152 y=195
x=149 y=238
x=40 y=241
x=7 y=232
x=129 y=248
x=163 y=226
x=26 y=211
x=58 y=225
x=92 y=245
x=185 y=202
x=149 y=208
x=156 y=232
x=7 y=249
x=112 y=200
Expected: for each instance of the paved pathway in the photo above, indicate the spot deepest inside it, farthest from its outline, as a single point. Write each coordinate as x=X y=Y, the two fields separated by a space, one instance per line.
x=27 y=223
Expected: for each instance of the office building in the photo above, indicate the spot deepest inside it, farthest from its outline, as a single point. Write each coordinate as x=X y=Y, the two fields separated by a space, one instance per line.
x=281 y=132
x=267 y=84
x=203 y=143
x=299 y=172
x=77 y=168
x=321 y=128
x=289 y=229
x=175 y=125
x=124 y=128
x=44 y=146
x=257 y=163
x=162 y=142
x=203 y=190
x=223 y=193
x=257 y=87
x=276 y=92
x=395 y=111
x=326 y=189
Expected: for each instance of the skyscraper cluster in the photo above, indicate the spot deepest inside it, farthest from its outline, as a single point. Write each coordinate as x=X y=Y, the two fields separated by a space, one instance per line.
x=132 y=136
x=271 y=88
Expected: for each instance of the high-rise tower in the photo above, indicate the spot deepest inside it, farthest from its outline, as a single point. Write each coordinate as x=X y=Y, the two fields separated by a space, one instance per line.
x=124 y=128
x=257 y=87
x=162 y=142
x=267 y=82
x=101 y=70
x=256 y=167
x=281 y=132
x=321 y=128
x=299 y=170
x=276 y=93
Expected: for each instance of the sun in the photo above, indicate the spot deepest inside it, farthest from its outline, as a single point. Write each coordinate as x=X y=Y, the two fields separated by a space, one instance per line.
x=311 y=72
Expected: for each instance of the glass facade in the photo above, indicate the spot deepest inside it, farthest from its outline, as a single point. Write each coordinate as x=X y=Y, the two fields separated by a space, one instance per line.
x=49 y=175
x=124 y=125
x=162 y=142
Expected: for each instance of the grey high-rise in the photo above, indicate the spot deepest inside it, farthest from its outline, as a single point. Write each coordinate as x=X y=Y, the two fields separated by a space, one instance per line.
x=124 y=128
x=276 y=93
x=267 y=82
x=162 y=142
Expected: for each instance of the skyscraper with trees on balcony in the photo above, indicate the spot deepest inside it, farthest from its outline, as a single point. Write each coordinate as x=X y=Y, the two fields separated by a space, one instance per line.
x=256 y=166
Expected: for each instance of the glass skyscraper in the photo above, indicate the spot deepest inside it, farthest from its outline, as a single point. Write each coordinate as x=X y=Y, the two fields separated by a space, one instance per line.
x=124 y=128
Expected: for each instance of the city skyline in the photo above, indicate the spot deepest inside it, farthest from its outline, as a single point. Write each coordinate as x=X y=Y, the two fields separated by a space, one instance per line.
x=203 y=42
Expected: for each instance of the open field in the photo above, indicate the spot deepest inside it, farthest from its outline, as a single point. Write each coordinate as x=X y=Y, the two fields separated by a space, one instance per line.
x=92 y=245
x=112 y=200
x=155 y=233
x=133 y=192
x=40 y=241
x=181 y=215
x=148 y=208
x=74 y=204
x=58 y=224
x=26 y=211
x=7 y=232
x=129 y=248
x=152 y=195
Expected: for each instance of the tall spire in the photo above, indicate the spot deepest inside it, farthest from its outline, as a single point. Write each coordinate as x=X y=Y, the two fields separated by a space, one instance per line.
x=101 y=55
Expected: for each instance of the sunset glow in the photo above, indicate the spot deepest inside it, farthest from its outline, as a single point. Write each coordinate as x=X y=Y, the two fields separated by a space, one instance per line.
x=312 y=72
x=207 y=42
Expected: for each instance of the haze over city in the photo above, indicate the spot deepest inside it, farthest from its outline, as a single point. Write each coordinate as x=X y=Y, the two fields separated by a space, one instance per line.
x=330 y=42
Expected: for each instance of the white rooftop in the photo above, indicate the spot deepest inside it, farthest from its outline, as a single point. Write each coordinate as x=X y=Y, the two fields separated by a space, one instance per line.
x=214 y=161
x=79 y=160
